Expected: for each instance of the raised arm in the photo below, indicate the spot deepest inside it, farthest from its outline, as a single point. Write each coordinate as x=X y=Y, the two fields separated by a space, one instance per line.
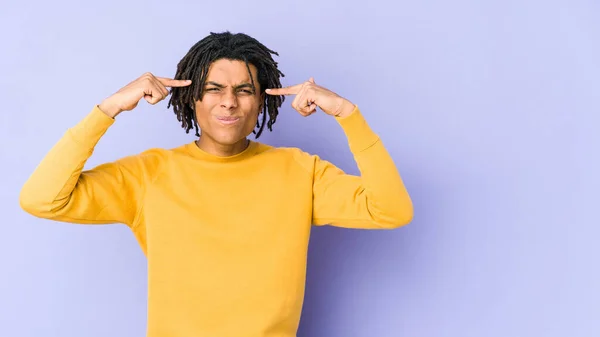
x=59 y=188
x=375 y=199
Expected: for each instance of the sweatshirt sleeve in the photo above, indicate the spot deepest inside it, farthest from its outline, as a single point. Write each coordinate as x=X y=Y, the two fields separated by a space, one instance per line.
x=377 y=199
x=59 y=189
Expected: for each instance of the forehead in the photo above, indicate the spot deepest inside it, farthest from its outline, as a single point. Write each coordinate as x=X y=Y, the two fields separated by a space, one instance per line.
x=234 y=71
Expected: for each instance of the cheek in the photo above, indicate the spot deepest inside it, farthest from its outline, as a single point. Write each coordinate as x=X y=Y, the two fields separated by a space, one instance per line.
x=203 y=110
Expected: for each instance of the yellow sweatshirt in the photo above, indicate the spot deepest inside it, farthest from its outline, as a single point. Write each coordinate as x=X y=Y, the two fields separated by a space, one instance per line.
x=226 y=238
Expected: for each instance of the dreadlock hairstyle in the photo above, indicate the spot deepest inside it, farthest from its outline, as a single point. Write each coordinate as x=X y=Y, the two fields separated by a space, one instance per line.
x=195 y=65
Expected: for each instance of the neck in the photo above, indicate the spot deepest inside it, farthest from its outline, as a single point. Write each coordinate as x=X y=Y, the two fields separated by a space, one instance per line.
x=222 y=150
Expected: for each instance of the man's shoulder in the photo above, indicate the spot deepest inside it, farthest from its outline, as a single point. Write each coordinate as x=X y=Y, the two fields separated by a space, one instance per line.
x=165 y=151
x=150 y=158
x=282 y=150
x=290 y=154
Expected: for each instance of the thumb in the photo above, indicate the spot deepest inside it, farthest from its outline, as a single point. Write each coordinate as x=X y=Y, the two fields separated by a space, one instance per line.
x=311 y=80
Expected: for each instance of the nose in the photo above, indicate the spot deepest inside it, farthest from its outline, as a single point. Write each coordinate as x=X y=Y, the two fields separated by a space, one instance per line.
x=229 y=100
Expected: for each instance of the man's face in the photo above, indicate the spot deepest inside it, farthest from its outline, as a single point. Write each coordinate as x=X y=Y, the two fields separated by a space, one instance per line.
x=230 y=105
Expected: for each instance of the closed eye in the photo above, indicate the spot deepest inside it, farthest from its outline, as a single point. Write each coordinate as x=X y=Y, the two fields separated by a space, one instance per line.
x=247 y=91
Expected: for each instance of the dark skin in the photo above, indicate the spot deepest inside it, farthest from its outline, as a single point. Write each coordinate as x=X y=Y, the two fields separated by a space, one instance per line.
x=229 y=108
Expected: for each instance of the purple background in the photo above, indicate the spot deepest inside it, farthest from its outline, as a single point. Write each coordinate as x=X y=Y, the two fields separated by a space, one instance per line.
x=490 y=109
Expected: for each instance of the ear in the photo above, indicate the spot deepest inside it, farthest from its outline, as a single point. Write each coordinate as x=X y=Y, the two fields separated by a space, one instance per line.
x=262 y=103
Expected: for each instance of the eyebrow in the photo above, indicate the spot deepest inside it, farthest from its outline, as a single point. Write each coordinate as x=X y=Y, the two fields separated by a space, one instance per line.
x=243 y=85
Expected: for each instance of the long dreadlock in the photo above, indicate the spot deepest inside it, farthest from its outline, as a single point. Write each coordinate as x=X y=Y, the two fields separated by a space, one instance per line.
x=195 y=64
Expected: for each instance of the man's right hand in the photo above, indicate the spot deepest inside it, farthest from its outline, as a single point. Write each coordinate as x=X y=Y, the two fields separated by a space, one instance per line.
x=149 y=87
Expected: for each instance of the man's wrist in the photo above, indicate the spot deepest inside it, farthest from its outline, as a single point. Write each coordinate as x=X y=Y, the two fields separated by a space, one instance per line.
x=346 y=109
x=108 y=109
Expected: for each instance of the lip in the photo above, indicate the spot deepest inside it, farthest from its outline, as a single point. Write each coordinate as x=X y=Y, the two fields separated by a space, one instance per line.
x=227 y=120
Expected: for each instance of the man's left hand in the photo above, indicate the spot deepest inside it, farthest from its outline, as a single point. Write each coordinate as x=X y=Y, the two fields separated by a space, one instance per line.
x=309 y=96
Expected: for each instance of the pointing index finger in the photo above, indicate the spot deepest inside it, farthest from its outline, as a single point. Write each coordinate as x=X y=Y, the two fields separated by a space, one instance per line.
x=169 y=82
x=293 y=90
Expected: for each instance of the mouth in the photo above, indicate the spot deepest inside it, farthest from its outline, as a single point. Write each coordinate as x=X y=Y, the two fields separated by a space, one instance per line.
x=227 y=120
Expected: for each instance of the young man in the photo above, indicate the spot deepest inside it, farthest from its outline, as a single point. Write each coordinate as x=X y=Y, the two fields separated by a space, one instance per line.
x=224 y=221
